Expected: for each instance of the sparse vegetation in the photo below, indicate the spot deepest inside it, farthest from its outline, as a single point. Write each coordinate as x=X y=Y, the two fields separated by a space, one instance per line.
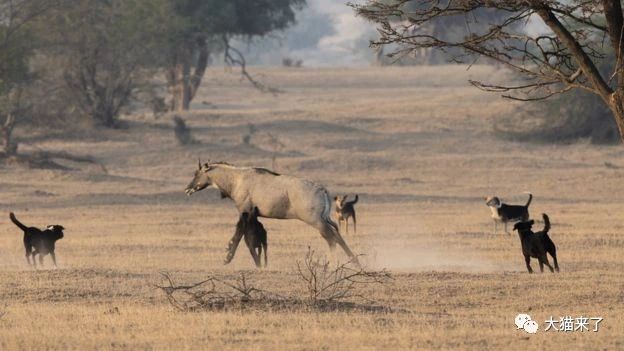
x=326 y=289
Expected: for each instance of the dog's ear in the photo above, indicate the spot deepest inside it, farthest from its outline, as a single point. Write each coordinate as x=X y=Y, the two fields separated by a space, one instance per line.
x=335 y=198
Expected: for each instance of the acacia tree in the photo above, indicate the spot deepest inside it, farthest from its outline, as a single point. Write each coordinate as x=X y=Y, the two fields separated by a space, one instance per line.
x=581 y=34
x=207 y=27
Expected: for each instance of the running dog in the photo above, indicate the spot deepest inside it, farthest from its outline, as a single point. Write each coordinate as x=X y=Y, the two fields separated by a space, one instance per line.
x=536 y=245
x=41 y=242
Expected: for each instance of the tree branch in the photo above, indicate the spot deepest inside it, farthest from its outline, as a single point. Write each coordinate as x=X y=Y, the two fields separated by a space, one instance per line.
x=588 y=67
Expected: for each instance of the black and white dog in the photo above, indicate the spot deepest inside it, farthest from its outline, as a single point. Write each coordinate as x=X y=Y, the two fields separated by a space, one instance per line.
x=507 y=213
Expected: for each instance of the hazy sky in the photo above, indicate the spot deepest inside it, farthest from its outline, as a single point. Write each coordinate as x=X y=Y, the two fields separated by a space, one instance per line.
x=347 y=45
x=327 y=33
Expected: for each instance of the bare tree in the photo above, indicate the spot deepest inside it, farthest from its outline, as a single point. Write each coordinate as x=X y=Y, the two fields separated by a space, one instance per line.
x=563 y=58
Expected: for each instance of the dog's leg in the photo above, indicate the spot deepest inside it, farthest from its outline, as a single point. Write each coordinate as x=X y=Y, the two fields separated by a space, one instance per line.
x=553 y=253
x=41 y=260
x=506 y=227
x=527 y=260
x=28 y=256
x=34 y=260
x=53 y=258
x=541 y=264
x=347 y=224
x=354 y=224
x=545 y=260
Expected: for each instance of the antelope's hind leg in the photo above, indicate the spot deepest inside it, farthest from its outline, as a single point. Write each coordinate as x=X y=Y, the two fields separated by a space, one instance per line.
x=255 y=256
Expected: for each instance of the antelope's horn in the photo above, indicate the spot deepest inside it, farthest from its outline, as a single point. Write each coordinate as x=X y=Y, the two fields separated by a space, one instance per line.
x=199 y=162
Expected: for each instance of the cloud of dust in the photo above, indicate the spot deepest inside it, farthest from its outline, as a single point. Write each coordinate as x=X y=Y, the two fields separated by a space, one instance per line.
x=12 y=261
x=396 y=256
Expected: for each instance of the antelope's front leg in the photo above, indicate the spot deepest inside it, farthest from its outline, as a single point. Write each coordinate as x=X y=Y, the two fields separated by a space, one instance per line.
x=233 y=243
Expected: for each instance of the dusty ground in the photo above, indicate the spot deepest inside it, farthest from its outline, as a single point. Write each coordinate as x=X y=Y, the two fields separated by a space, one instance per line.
x=414 y=143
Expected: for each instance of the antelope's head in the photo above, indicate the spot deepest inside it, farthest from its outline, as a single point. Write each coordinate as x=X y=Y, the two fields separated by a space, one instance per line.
x=201 y=180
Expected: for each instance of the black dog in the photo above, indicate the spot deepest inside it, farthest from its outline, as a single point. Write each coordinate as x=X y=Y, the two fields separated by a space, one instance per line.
x=537 y=244
x=38 y=241
x=255 y=236
x=507 y=213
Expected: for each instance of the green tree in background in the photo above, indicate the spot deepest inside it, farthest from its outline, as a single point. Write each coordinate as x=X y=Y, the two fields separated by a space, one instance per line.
x=107 y=49
x=206 y=28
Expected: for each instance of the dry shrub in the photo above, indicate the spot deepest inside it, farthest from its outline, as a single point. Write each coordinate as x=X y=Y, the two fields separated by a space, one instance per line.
x=326 y=284
x=326 y=289
x=216 y=294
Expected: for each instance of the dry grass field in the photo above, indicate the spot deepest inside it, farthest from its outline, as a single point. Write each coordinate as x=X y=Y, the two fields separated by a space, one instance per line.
x=415 y=143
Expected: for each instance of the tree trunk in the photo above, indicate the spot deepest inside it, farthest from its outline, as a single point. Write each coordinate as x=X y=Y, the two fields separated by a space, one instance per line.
x=182 y=85
x=617 y=107
x=7 y=129
x=179 y=87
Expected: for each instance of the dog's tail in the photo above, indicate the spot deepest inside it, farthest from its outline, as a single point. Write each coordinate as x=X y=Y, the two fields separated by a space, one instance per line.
x=354 y=201
x=16 y=222
x=546 y=223
x=529 y=202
